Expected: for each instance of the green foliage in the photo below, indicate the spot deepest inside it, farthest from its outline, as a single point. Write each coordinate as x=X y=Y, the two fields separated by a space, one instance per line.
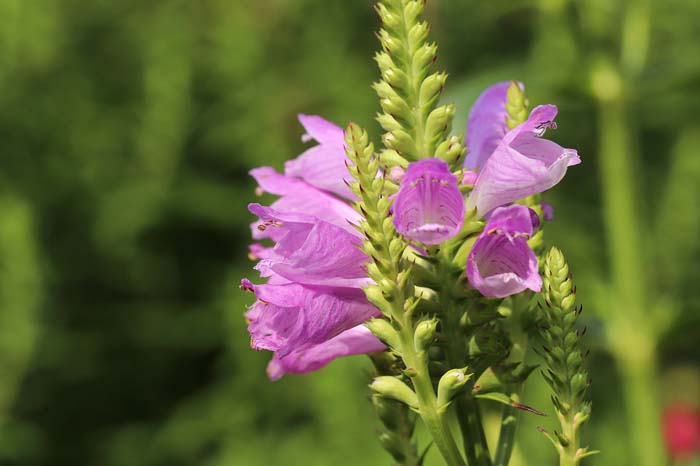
x=127 y=131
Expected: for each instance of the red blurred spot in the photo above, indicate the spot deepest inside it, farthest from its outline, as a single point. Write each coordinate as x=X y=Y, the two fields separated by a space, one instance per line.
x=681 y=424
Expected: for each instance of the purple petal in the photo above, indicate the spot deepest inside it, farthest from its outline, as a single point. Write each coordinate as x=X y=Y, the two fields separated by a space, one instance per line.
x=357 y=340
x=522 y=164
x=501 y=263
x=324 y=165
x=322 y=130
x=298 y=196
x=292 y=317
x=535 y=219
x=428 y=207
x=547 y=211
x=258 y=251
x=469 y=177
x=487 y=124
x=514 y=220
x=500 y=267
x=311 y=251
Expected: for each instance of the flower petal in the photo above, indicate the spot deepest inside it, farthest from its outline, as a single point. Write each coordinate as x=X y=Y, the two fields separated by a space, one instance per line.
x=498 y=267
x=322 y=130
x=311 y=251
x=357 y=340
x=513 y=220
x=299 y=196
x=501 y=263
x=522 y=164
x=292 y=317
x=324 y=165
x=487 y=124
x=429 y=206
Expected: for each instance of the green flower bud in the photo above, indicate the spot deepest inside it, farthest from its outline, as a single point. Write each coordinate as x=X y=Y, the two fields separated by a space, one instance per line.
x=516 y=106
x=386 y=332
x=376 y=296
x=424 y=334
x=393 y=388
x=451 y=151
x=450 y=384
x=439 y=122
x=431 y=88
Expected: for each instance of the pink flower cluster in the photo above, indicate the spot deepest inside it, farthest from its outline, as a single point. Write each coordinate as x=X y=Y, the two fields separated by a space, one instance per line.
x=312 y=308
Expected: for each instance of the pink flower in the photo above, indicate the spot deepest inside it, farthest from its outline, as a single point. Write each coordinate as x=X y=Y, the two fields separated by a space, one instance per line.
x=312 y=308
x=512 y=164
x=501 y=263
x=428 y=207
x=681 y=425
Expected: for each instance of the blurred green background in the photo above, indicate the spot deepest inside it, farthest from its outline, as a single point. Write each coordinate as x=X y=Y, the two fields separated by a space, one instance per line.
x=127 y=128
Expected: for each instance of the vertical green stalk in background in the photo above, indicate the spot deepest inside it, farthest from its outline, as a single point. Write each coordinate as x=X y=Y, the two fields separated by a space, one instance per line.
x=631 y=338
x=21 y=293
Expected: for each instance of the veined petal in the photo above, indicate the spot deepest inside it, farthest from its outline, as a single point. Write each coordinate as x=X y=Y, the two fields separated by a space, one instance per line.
x=522 y=164
x=498 y=266
x=501 y=263
x=311 y=251
x=514 y=220
x=292 y=317
x=324 y=165
x=429 y=206
x=357 y=340
x=299 y=196
x=487 y=124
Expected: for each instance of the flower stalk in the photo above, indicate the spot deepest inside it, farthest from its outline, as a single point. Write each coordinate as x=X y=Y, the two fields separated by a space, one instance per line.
x=394 y=293
x=564 y=358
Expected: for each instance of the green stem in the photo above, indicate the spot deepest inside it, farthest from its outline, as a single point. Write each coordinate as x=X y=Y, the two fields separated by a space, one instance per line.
x=568 y=456
x=475 y=437
x=434 y=420
x=506 y=438
x=468 y=411
x=511 y=416
x=632 y=338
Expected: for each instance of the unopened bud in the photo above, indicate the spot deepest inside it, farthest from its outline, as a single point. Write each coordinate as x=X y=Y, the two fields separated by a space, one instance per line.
x=382 y=329
x=391 y=387
x=450 y=384
x=425 y=334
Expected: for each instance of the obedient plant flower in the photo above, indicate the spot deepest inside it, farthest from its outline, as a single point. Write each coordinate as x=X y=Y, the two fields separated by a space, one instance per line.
x=323 y=165
x=501 y=263
x=428 y=207
x=487 y=126
x=335 y=251
x=312 y=308
x=299 y=322
x=522 y=163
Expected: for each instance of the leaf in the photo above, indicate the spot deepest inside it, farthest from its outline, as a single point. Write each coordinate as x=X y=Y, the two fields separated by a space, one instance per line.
x=506 y=400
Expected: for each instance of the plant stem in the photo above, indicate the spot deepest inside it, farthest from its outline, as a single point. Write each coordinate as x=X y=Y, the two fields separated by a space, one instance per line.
x=434 y=420
x=468 y=411
x=506 y=438
x=631 y=336
x=569 y=454
x=511 y=416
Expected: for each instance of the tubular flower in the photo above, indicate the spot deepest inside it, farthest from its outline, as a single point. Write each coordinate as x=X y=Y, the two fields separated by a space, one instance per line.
x=501 y=263
x=312 y=308
x=522 y=164
x=428 y=207
x=487 y=126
